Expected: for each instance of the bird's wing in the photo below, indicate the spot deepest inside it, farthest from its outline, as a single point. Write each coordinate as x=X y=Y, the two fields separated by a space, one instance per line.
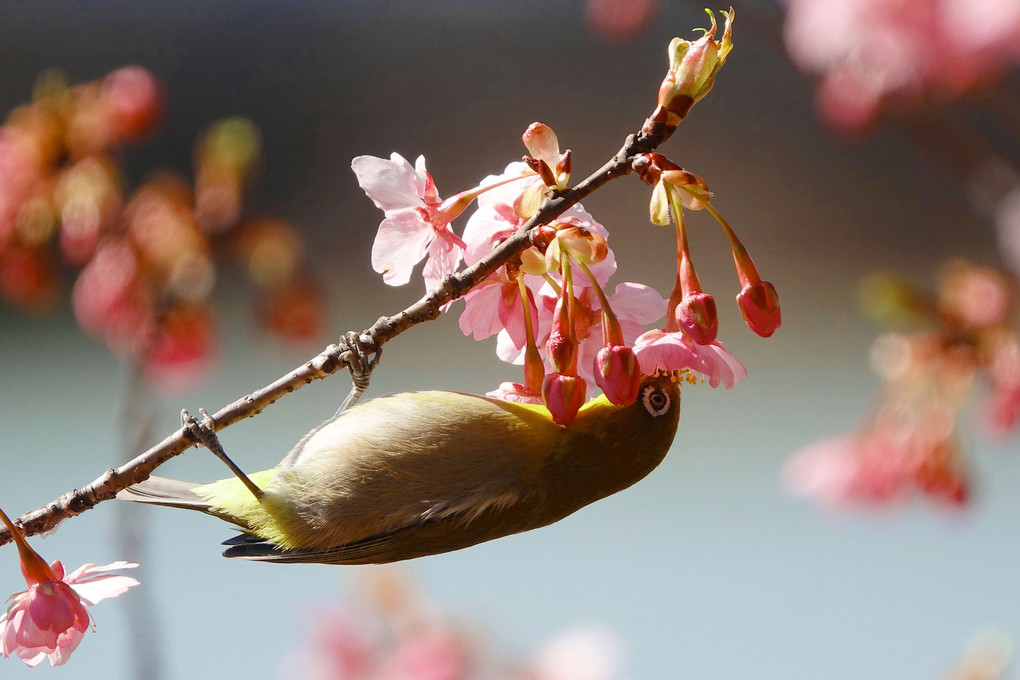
x=426 y=537
x=409 y=459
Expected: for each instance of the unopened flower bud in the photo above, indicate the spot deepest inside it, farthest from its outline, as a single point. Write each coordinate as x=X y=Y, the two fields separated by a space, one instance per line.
x=696 y=314
x=542 y=143
x=564 y=395
x=759 y=305
x=562 y=351
x=617 y=374
x=546 y=159
x=692 y=70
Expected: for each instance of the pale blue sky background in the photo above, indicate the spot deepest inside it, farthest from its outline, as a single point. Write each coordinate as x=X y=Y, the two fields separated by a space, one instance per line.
x=707 y=569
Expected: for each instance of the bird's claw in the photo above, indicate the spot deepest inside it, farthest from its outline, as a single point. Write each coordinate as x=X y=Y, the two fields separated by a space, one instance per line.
x=361 y=362
x=204 y=431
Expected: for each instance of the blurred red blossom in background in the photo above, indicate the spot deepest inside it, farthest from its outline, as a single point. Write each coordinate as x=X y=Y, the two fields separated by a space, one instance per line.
x=146 y=260
x=909 y=442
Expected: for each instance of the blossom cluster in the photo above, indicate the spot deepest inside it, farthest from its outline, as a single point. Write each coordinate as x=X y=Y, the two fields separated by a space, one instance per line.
x=145 y=260
x=876 y=55
x=549 y=307
x=392 y=632
x=910 y=441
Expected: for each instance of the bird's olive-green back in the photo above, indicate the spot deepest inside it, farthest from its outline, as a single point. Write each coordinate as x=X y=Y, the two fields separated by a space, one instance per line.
x=426 y=472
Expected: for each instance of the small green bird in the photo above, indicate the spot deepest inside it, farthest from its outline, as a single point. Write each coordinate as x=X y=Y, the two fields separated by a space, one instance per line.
x=421 y=473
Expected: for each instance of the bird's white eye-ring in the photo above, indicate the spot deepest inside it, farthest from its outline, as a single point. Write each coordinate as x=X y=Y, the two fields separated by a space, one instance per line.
x=655 y=400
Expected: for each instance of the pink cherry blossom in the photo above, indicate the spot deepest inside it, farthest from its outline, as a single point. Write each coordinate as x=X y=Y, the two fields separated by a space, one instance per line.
x=416 y=223
x=634 y=304
x=848 y=469
x=871 y=52
x=433 y=653
x=495 y=305
x=495 y=219
x=659 y=350
x=881 y=465
x=49 y=619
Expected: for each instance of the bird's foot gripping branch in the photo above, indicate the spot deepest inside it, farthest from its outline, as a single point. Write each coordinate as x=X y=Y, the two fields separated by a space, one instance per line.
x=533 y=267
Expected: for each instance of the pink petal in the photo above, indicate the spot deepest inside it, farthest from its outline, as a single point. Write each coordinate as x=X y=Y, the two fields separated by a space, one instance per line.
x=98 y=586
x=637 y=302
x=822 y=471
x=52 y=608
x=94 y=584
x=719 y=365
x=443 y=258
x=391 y=184
x=507 y=351
x=480 y=317
x=508 y=193
x=511 y=391
x=401 y=243
x=541 y=142
x=486 y=226
x=658 y=350
x=9 y=624
x=68 y=643
x=511 y=315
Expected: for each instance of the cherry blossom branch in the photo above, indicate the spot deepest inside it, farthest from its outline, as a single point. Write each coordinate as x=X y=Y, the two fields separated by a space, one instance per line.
x=334 y=357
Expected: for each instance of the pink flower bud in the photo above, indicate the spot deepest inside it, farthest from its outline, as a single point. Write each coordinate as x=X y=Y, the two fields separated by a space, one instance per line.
x=546 y=159
x=696 y=314
x=564 y=395
x=562 y=351
x=759 y=305
x=542 y=143
x=617 y=374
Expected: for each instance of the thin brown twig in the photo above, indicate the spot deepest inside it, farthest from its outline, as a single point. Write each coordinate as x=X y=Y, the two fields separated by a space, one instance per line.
x=332 y=358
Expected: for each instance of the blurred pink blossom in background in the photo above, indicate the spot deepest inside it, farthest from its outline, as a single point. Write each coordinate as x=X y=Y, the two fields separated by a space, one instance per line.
x=899 y=54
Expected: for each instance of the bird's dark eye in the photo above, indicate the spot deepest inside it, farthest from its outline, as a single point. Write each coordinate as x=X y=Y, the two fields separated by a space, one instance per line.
x=655 y=400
